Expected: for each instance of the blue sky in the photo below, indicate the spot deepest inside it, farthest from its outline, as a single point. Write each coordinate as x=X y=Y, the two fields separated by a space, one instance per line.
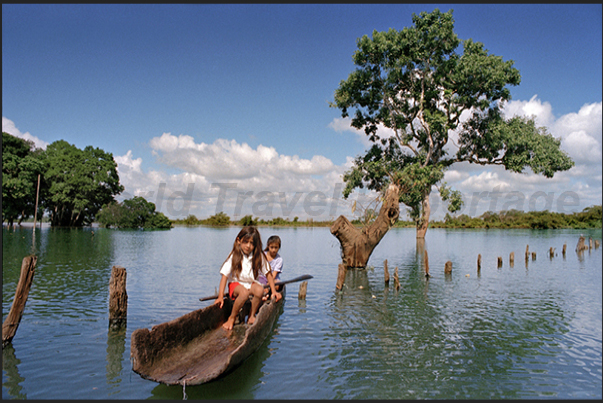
x=225 y=107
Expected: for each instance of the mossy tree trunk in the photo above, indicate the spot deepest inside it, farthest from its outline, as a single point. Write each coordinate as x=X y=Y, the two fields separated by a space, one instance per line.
x=423 y=222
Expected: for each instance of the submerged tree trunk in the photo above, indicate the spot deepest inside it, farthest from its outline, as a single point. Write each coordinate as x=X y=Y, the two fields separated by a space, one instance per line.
x=423 y=222
x=358 y=244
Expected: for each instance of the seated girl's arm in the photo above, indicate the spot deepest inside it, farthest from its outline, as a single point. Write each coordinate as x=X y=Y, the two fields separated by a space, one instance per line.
x=270 y=279
x=220 y=299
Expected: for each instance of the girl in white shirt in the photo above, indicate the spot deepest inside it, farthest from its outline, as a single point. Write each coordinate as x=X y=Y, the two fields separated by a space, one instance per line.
x=241 y=269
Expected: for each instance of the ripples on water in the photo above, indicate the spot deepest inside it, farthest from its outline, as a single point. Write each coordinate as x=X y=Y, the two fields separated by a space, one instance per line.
x=527 y=331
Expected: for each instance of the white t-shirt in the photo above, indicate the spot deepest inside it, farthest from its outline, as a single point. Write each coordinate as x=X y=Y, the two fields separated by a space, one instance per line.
x=246 y=276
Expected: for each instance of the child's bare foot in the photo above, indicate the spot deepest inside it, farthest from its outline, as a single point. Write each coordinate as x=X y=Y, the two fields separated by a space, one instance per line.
x=251 y=320
x=228 y=324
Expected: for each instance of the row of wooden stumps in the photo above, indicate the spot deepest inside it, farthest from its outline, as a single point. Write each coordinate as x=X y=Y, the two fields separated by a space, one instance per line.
x=118 y=299
x=581 y=247
x=396 y=278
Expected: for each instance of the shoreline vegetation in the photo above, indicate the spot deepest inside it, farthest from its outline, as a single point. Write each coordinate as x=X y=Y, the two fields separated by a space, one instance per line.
x=590 y=217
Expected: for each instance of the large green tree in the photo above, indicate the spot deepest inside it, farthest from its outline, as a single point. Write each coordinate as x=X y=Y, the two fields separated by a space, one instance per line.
x=80 y=183
x=21 y=165
x=417 y=83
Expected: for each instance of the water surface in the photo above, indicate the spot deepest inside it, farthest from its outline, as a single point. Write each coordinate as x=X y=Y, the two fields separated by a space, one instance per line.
x=527 y=331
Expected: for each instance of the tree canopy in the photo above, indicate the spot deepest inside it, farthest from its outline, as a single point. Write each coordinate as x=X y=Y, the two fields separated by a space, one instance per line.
x=136 y=212
x=21 y=166
x=415 y=83
x=74 y=183
x=80 y=183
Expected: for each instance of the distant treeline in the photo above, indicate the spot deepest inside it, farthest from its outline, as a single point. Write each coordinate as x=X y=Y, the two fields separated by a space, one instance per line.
x=223 y=220
x=590 y=217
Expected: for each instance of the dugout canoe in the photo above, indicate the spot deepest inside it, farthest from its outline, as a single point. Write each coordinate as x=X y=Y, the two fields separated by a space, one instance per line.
x=195 y=349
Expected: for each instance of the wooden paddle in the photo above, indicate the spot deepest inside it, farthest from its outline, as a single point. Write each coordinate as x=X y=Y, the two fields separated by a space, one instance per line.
x=276 y=283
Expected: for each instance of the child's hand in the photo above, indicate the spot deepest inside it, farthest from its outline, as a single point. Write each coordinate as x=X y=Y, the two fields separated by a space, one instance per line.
x=277 y=296
x=219 y=301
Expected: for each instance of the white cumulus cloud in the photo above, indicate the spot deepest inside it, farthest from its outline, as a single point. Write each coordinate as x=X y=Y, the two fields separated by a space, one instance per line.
x=543 y=112
x=8 y=126
x=235 y=178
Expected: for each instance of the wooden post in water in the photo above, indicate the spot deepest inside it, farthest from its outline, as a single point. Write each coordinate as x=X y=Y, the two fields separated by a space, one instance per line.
x=426 y=264
x=564 y=249
x=303 y=287
x=479 y=262
x=527 y=252
x=385 y=272
x=533 y=255
x=499 y=264
x=448 y=267
x=396 y=279
x=512 y=259
x=118 y=298
x=341 y=270
x=36 y=210
x=596 y=244
x=581 y=247
x=590 y=243
x=11 y=323
x=551 y=252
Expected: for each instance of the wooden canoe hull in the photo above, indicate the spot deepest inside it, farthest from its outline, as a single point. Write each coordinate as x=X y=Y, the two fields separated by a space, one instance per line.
x=195 y=349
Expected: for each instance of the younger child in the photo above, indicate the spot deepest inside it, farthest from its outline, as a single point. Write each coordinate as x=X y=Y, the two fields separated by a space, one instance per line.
x=276 y=261
x=241 y=269
x=273 y=245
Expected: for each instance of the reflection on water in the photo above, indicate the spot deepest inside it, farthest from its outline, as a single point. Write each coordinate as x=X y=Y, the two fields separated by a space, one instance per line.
x=412 y=341
x=509 y=332
x=10 y=369
x=116 y=346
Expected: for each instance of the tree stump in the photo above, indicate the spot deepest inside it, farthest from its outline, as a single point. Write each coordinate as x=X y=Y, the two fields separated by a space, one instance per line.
x=499 y=264
x=385 y=272
x=341 y=270
x=581 y=247
x=303 y=287
x=511 y=259
x=448 y=267
x=396 y=279
x=551 y=252
x=118 y=298
x=527 y=252
x=533 y=255
x=564 y=248
x=426 y=265
x=358 y=244
x=11 y=323
x=479 y=262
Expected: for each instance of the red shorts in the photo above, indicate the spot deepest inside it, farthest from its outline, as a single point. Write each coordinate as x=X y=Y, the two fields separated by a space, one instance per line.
x=231 y=287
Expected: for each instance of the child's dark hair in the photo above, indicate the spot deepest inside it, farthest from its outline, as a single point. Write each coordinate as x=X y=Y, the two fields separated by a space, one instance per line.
x=237 y=254
x=271 y=240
